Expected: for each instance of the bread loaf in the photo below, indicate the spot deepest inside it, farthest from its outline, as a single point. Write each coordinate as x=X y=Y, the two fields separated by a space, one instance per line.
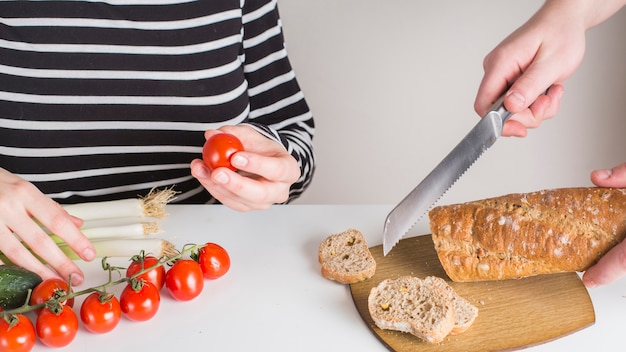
x=526 y=234
x=345 y=257
x=410 y=304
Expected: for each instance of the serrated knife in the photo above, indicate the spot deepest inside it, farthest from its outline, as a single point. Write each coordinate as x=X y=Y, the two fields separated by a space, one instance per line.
x=417 y=203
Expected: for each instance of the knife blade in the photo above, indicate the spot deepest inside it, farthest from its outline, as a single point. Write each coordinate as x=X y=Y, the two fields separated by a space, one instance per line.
x=419 y=201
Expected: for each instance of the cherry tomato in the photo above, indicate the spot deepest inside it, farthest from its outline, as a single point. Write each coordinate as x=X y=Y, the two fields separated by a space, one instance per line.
x=184 y=280
x=156 y=276
x=219 y=148
x=214 y=261
x=57 y=329
x=49 y=288
x=17 y=334
x=140 y=304
x=100 y=312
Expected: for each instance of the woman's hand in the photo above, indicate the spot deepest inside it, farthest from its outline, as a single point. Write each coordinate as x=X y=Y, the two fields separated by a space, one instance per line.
x=531 y=65
x=22 y=207
x=612 y=265
x=266 y=172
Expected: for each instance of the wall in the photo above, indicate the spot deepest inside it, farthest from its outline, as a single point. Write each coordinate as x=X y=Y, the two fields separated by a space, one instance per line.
x=392 y=84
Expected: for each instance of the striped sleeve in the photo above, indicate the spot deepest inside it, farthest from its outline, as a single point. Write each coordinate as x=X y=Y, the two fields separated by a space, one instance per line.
x=277 y=105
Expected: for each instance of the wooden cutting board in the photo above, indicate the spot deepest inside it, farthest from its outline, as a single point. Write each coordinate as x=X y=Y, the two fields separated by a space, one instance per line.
x=513 y=314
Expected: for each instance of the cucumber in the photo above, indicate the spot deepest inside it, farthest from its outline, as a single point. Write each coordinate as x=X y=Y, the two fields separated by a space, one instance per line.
x=15 y=282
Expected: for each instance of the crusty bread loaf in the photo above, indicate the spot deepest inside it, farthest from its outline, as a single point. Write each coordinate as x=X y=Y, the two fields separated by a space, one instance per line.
x=464 y=312
x=346 y=258
x=526 y=234
x=413 y=305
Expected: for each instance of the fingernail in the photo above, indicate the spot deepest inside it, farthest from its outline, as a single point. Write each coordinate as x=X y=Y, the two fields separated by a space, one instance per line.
x=201 y=172
x=590 y=283
x=603 y=174
x=77 y=278
x=516 y=98
x=221 y=178
x=239 y=161
x=89 y=254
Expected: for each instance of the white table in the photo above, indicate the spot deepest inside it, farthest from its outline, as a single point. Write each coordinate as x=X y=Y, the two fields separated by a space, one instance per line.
x=274 y=298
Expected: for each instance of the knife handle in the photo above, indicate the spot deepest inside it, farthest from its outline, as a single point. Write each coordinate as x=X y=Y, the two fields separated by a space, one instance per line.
x=498 y=108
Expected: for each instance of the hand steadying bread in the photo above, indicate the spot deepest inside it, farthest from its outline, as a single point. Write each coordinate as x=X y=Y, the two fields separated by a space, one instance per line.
x=519 y=235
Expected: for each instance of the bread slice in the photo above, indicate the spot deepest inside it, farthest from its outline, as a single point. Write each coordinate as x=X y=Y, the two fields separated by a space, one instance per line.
x=346 y=258
x=526 y=234
x=464 y=312
x=410 y=304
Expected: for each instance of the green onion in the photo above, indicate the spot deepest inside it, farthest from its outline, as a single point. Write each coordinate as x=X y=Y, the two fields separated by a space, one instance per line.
x=127 y=248
x=152 y=205
x=119 y=231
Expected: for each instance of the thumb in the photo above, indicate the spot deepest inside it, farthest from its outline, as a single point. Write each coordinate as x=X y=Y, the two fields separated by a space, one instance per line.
x=529 y=86
x=615 y=177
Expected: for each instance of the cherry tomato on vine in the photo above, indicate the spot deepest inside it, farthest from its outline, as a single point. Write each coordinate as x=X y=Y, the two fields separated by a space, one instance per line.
x=214 y=261
x=142 y=303
x=156 y=276
x=184 y=280
x=100 y=312
x=17 y=334
x=219 y=148
x=57 y=329
x=53 y=287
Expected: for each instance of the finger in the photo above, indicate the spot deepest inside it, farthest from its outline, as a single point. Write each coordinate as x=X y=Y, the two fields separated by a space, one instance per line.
x=41 y=244
x=278 y=169
x=59 y=222
x=615 y=177
x=513 y=128
x=494 y=83
x=15 y=251
x=608 y=269
x=535 y=80
x=254 y=193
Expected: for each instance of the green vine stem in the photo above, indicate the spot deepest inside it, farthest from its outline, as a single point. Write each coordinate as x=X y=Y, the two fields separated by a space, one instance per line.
x=54 y=302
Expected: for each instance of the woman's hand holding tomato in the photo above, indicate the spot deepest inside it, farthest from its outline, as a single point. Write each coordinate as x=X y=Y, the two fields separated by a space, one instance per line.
x=266 y=172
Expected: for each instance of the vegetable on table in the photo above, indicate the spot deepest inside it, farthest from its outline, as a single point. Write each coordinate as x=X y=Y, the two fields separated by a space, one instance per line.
x=152 y=205
x=15 y=282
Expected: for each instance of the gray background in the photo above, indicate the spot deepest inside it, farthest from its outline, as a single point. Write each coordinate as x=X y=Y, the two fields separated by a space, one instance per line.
x=392 y=84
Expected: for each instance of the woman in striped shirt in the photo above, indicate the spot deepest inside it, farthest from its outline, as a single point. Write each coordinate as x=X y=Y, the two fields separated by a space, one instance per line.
x=104 y=100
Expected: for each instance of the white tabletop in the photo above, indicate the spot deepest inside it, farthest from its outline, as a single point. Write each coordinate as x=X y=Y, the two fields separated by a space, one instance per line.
x=274 y=297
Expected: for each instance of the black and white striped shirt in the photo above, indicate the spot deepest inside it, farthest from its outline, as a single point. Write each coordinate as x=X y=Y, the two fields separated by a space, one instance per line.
x=107 y=99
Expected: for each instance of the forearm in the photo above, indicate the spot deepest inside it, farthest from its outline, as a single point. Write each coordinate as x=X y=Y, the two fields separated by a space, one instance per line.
x=590 y=13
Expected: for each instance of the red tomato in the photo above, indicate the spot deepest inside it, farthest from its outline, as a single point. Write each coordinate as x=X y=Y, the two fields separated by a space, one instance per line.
x=156 y=276
x=57 y=330
x=100 y=312
x=49 y=288
x=214 y=261
x=17 y=334
x=140 y=305
x=184 y=280
x=219 y=148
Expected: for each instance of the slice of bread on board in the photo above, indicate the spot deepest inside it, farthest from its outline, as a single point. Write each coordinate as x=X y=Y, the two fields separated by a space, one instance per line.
x=526 y=234
x=464 y=312
x=346 y=258
x=426 y=308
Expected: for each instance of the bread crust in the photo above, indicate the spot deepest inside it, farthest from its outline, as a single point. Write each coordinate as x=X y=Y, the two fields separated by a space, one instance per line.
x=527 y=234
x=410 y=304
x=346 y=258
